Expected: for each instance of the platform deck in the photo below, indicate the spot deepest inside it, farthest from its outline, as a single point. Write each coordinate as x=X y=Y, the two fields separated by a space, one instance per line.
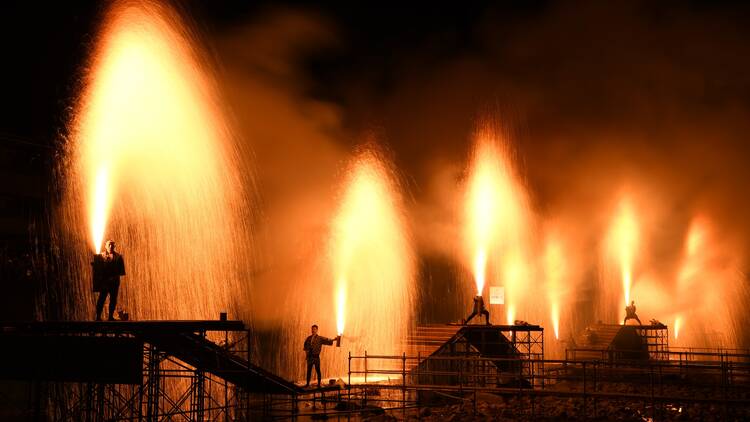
x=87 y=327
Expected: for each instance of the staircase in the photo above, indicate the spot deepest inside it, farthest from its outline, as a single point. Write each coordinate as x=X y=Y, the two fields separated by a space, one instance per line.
x=427 y=339
x=201 y=353
x=595 y=341
x=611 y=341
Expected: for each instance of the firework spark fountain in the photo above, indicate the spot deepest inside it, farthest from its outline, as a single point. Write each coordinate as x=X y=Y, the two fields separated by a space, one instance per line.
x=622 y=243
x=362 y=285
x=371 y=258
x=496 y=220
x=554 y=269
x=151 y=163
x=709 y=288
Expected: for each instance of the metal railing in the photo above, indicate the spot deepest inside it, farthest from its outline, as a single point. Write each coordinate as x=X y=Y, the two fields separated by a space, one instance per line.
x=685 y=378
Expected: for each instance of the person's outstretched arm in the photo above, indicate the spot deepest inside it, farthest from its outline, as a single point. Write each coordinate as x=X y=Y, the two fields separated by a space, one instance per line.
x=327 y=341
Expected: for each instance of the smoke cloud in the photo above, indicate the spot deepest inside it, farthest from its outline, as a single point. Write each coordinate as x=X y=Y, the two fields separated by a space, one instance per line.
x=599 y=101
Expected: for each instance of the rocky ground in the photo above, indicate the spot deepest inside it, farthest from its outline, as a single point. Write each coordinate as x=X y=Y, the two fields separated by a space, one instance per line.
x=492 y=407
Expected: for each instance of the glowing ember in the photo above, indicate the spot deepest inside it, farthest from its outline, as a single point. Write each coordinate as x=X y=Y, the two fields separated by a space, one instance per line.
x=152 y=164
x=623 y=241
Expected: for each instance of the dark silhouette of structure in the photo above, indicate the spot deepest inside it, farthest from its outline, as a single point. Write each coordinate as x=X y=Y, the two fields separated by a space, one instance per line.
x=615 y=342
x=107 y=267
x=479 y=309
x=136 y=370
x=495 y=355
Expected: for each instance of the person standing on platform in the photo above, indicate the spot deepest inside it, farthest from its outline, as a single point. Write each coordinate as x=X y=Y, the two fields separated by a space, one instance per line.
x=479 y=309
x=112 y=267
x=630 y=313
x=313 y=344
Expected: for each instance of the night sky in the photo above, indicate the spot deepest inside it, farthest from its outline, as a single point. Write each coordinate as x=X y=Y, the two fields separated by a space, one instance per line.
x=46 y=44
x=373 y=48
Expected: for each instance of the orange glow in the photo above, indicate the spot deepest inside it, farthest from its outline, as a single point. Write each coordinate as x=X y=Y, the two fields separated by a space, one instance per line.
x=694 y=251
x=483 y=211
x=677 y=323
x=154 y=166
x=554 y=269
x=514 y=273
x=340 y=306
x=709 y=286
x=371 y=259
x=696 y=237
x=495 y=219
x=555 y=314
x=623 y=241
x=510 y=314
x=100 y=203
x=480 y=265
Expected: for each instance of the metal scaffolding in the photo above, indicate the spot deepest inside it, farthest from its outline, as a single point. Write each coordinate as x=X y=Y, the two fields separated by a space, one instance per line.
x=166 y=387
x=656 y=338
x=516 y=350
x=202 y=371
x=719 y=381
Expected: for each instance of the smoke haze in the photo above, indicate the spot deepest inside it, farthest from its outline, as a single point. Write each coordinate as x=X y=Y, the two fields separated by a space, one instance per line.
x=600 y=101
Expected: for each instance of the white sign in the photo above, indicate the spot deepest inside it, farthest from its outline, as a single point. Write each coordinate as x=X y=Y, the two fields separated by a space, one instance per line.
x=497 y=295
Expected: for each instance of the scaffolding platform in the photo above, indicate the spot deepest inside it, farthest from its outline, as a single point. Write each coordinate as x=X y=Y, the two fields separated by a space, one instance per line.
x=137 y=369
x=610 y=342
x=510 y=353
x=123 y=327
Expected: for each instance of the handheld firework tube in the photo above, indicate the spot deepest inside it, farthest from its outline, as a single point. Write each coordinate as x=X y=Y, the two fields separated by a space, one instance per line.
x=338 y=340
x=97 y=273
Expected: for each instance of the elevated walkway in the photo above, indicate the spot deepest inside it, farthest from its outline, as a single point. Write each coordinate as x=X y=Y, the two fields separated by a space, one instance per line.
x=114 y=352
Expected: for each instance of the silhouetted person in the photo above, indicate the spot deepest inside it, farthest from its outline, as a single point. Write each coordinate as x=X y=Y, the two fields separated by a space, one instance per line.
x=112 y=267
x=630 y=313
x=479 y=310
x=313 y=344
